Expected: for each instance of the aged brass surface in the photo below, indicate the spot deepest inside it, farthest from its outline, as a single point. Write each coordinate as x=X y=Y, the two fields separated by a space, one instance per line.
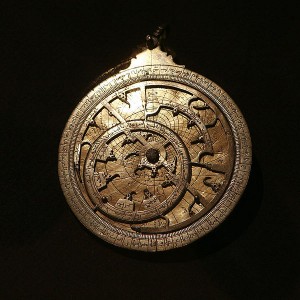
x=155 y=156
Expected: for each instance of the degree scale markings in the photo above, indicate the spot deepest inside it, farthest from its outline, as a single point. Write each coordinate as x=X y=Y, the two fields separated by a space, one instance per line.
x=132 y=137
x=186 y=103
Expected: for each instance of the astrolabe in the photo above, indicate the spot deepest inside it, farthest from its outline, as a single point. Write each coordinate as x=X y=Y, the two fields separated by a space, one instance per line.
x=155 y=156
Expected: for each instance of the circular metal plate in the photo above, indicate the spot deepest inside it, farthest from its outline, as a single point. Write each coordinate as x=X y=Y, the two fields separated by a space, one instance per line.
x=154 y=158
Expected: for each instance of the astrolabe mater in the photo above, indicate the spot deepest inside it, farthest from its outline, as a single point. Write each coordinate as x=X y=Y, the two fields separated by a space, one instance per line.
x=155 y=156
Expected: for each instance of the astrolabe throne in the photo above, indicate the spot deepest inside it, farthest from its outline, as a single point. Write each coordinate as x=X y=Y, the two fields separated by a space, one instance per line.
x=155 y=156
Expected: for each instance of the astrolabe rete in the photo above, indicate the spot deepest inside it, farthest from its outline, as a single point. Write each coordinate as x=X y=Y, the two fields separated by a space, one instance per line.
x=155 y=156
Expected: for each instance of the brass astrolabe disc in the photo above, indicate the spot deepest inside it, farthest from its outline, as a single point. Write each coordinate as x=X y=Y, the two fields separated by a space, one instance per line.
x=155 y=156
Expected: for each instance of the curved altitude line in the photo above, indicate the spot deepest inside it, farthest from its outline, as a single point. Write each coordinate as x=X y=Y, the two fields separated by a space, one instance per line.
x=198 y=198
x=77 y=158
x=194 y=98
x=92 y=123
x=112 y=111
x=151 y=229
x=123 y=121
x=217 y=168
x=123 y=98
x=176 y=110
x=204 y=107
x=213 y=122
x=135 y=153
x=108 y=179
x=200 y=155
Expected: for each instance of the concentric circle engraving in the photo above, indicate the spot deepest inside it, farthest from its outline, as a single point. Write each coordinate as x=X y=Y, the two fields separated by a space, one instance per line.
x=127 y=179
x=154 y=158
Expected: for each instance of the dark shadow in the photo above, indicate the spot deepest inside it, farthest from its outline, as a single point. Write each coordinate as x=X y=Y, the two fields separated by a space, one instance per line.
x=233 y=227
x=34 y=200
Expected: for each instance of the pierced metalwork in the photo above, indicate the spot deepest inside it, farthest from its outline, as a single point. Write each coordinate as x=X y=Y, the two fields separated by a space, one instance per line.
x=155 y=156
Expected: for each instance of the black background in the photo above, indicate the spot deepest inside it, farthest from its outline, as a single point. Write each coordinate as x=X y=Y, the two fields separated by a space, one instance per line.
x=50 y=53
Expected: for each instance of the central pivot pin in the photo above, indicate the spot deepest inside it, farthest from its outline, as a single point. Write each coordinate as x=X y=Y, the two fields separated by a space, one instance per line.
x=152 y=155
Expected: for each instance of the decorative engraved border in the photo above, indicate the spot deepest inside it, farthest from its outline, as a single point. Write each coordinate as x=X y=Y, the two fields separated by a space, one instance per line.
x=165 y=241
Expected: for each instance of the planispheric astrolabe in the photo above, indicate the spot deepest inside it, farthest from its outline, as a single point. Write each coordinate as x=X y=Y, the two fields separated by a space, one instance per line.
x=155 y=156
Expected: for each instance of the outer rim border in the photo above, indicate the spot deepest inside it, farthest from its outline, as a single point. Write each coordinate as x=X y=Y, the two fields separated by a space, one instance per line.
x=187 y=235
